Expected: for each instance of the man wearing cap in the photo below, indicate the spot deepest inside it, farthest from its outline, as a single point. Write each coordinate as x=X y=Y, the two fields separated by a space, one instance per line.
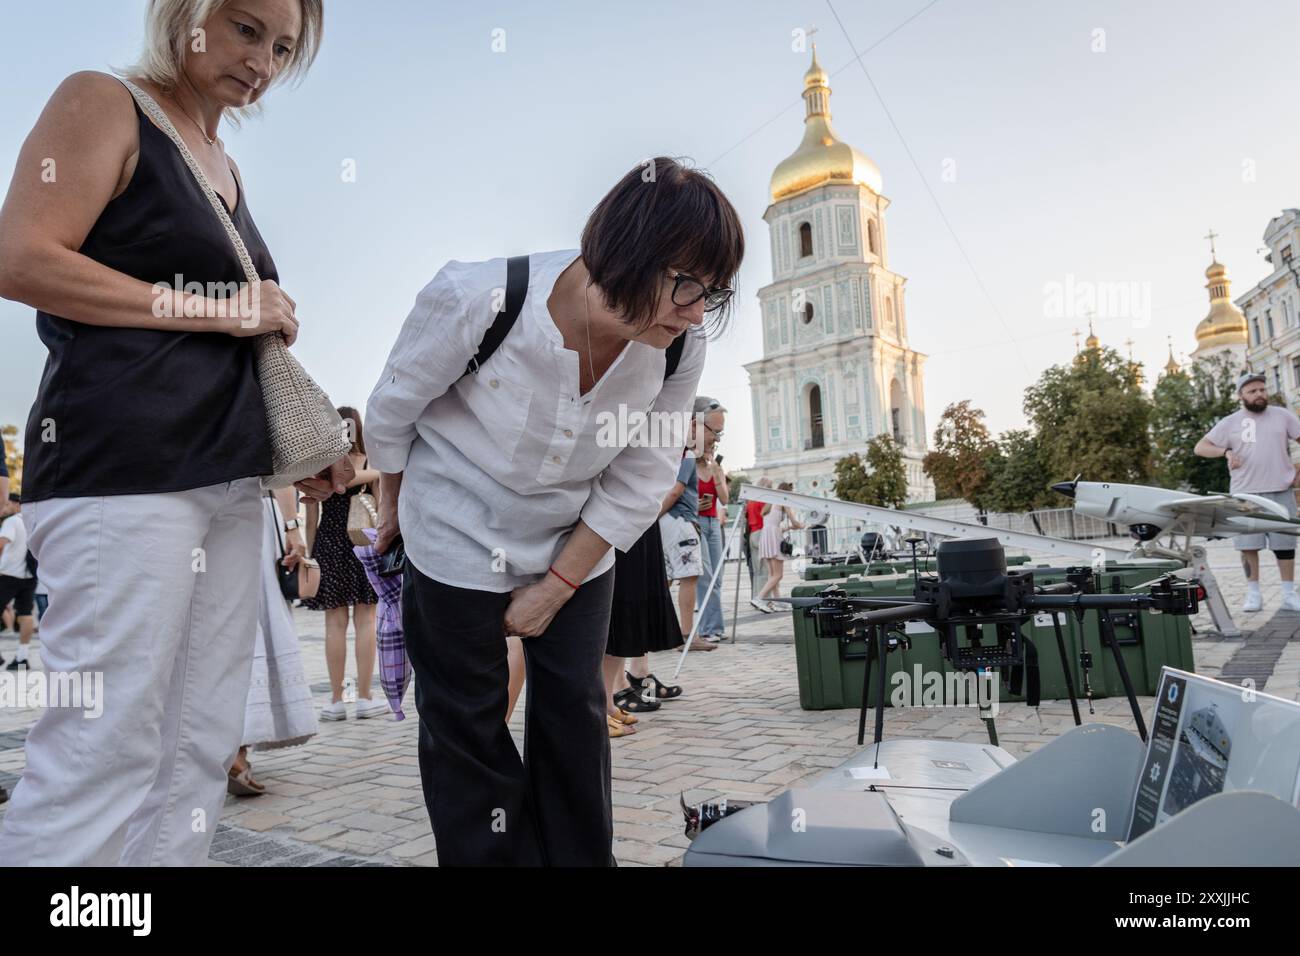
x=1256 y=441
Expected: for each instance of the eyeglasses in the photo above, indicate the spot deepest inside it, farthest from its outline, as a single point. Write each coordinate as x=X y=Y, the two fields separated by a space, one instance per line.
x=687 y=290
x=716 y=433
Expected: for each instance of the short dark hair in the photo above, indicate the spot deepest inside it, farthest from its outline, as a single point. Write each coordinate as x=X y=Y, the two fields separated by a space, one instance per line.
x=673 y=218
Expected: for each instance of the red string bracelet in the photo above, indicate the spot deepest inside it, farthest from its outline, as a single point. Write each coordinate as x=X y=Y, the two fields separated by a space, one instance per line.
x=563 y=578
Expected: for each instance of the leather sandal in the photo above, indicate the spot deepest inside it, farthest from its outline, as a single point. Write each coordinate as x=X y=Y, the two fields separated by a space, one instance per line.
x=630 y=699
x=662 y=691
x=242 y=784
x=617 y=728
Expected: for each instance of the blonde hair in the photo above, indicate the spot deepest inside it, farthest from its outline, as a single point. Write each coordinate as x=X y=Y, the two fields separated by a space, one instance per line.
x=169 y=25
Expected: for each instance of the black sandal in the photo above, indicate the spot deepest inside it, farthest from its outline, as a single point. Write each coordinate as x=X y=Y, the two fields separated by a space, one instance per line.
x=630 y=699
x=662 y=691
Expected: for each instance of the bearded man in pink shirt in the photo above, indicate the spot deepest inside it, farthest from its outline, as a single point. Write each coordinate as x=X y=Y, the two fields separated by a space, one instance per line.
x=1256 y=441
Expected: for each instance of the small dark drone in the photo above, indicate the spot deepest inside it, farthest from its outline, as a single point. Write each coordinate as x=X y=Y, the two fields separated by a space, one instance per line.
x=973 y=590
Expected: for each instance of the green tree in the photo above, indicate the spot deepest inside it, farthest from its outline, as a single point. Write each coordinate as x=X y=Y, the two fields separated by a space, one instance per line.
x=734 y=480
x=959 y=462
x=1018 y=480
x=1091 y=418
x=876 y=478
x=1184 y=407
x=850 y=479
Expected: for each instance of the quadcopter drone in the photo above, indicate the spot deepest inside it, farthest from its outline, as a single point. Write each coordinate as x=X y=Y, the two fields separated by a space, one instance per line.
x=974 y=590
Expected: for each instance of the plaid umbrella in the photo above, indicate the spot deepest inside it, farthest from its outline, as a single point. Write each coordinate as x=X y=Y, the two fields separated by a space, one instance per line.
x=394 y=668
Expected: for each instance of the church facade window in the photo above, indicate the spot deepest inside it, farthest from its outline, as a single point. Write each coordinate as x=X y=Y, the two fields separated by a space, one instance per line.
x=816 y=436
x=873 y=244
x=897 y=412
x=805 y=240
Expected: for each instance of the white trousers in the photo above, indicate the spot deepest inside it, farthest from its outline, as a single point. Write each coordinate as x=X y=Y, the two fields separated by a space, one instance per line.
x=159 y=593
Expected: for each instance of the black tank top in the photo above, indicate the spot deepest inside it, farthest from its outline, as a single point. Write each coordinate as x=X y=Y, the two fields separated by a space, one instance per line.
x=138 y=411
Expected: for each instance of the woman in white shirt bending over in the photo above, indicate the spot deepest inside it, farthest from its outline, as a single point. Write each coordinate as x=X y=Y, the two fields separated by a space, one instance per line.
x=513 y=465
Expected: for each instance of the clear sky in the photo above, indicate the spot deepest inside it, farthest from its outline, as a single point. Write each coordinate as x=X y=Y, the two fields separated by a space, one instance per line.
x=1079 y=157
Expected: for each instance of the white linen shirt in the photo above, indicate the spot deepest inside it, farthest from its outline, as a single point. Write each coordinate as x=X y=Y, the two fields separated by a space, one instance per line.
x=500 y=465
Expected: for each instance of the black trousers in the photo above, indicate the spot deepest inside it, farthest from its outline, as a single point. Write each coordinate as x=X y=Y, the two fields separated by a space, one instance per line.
x=488 y=806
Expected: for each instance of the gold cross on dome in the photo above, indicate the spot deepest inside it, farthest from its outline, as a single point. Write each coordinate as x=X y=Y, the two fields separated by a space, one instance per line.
x=1212 y=235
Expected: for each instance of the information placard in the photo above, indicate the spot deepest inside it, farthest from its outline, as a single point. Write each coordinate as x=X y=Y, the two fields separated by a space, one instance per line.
x=1210 y=736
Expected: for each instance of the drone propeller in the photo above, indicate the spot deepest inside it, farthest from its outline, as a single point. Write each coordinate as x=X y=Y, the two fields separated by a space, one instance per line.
x=880 y=602
x=1068 y=488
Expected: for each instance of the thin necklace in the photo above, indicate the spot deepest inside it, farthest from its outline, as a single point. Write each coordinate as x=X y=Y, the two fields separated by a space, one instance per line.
x=591 y=369
x=202 y=131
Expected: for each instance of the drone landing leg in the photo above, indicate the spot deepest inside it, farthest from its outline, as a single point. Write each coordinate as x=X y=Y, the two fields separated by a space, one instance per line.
x=1219 y=613
x=866 y=684
x=882 y=653
x=989 y=725
x=1108 y=637
x=1065 y=667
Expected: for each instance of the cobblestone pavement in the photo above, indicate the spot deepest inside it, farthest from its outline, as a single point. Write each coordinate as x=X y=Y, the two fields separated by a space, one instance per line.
x=351 y=796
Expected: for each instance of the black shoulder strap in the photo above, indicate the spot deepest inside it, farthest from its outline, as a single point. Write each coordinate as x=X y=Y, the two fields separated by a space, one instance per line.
x=516 y=292
x=674 y=354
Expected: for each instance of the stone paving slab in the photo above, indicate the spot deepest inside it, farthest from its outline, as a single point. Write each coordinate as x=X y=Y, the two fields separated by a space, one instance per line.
x=351 y=796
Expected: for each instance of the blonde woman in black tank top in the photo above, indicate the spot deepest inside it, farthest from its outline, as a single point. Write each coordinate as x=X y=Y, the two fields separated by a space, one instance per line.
x=152 y=572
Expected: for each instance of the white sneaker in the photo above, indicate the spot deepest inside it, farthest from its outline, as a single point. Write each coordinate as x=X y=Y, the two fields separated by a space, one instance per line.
x=1291 y=602
x=367 y=708
x=335 y=711
x=1253 y=602
x=760 y=606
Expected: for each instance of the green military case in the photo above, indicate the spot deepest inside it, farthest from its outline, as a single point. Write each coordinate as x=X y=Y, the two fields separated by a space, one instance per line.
x=831 y=670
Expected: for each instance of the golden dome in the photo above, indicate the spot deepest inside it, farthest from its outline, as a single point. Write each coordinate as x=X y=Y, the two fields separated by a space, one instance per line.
x=821 y=157
x=1225 y=325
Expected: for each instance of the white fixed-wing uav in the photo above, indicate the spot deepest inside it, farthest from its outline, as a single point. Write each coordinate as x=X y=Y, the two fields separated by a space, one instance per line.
x=1146 y=511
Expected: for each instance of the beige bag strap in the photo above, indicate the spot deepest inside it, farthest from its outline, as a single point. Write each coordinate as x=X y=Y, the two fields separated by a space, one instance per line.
x=155 y=112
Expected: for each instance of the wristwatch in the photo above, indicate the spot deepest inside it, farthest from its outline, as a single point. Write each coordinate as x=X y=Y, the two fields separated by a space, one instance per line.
x=291 y=524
